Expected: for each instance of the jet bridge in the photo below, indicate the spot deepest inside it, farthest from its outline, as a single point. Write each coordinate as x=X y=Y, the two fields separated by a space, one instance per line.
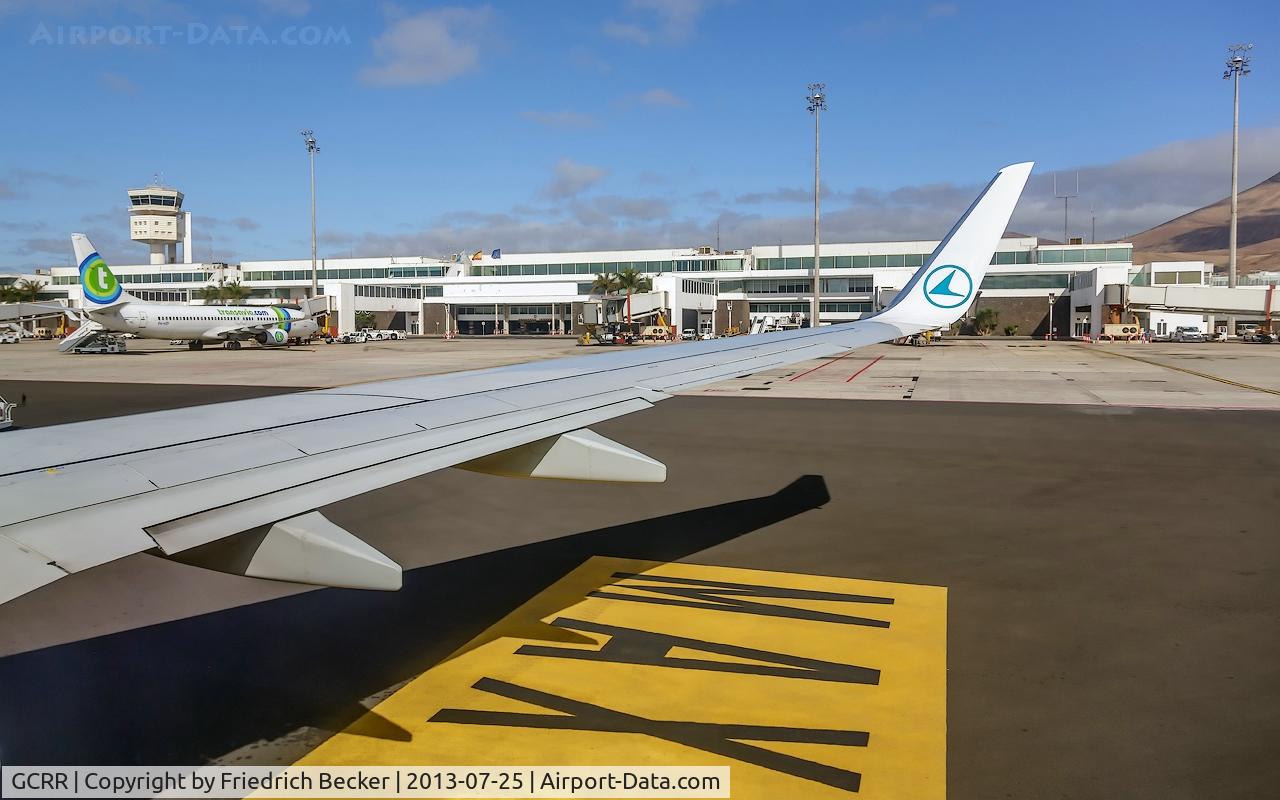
x=24 y=314
x=1245 y=300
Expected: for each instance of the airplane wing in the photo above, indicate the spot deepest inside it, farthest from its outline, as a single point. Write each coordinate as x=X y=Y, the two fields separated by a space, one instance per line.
x=248 y=329
x=234 y=486
x=310 y=307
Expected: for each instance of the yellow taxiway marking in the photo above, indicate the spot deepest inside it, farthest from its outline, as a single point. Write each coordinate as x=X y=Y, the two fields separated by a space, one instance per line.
x=805 y=686
x=1184 y=370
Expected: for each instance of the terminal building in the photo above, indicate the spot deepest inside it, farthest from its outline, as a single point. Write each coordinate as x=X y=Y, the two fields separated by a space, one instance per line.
x=1034 y=287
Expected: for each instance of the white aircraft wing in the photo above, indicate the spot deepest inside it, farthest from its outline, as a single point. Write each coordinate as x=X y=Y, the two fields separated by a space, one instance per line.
x=233 y=331
x=248 y=475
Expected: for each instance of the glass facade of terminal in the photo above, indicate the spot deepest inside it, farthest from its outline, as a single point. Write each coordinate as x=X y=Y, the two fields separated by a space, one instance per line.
x=1032 y=280
x=1041 y=255
x=1091 y=255
x=146 y=277
x=425 y=271
x=857 y=284
x=843 y=262
x=362 y=290
x=835 y=307
x=597 y=267
x=1185 y=277
x=163 y=295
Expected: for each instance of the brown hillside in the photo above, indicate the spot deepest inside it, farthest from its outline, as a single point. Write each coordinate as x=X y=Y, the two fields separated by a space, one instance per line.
x=1204 y=233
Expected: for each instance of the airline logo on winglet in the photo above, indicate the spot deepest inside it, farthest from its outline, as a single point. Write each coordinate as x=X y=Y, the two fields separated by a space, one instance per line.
x=948 y=286
x=96 y=280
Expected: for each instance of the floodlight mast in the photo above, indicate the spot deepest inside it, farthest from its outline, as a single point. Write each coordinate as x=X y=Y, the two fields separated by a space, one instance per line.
x=309 y=137
x=817 y=100
x=1237 y=66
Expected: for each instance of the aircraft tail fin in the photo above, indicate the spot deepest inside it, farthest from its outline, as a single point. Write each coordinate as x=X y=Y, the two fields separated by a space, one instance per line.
x=99 y=285
x=941 y=291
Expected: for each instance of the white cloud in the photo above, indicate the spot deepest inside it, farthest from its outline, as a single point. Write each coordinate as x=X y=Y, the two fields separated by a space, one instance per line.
x=666 y=21
x=637 y=208
x=18 y=181
x=119 y=83
x=431 y=47
x=239 y=223
x=627 y=32
x=572 y=178
x=567 y=120
x=902 y=21
x=1146 y=189
x=662 y=97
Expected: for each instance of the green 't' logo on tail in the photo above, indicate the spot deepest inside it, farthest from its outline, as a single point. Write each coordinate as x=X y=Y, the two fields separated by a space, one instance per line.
x=99 y=285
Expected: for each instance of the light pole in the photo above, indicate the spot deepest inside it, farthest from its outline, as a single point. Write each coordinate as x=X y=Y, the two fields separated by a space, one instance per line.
x=1065 y=197
x=1237 y=65
x=312 y=148
x=817 y=104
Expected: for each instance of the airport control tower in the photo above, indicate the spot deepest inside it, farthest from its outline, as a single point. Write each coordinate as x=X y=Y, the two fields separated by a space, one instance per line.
x=156 y=218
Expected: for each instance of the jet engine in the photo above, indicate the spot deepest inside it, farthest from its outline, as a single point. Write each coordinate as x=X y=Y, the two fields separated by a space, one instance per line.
x=272 y=337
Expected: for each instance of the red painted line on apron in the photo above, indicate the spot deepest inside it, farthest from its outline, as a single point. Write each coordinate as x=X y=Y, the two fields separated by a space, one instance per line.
x=865 y=367
x=820 y=366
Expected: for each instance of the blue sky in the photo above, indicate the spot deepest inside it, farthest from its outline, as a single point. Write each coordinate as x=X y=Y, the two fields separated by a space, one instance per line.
x=582 y=125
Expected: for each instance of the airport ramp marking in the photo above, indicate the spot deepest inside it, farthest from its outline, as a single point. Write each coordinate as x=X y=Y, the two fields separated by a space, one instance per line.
x=864 y=368
x=1154 y=363
x=805 y=686
x=826 y=363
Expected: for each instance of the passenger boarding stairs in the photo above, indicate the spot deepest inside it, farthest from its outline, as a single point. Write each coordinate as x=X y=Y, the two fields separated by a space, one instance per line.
x=88 y=332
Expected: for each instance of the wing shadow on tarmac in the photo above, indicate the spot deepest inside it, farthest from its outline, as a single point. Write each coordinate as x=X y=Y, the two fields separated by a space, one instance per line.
x=186 y=691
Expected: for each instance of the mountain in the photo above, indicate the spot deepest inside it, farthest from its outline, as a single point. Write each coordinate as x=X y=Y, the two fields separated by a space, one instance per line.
x=1204 y=233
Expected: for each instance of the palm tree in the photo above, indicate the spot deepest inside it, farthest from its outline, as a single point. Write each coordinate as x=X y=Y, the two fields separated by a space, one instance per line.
x=28 y=289
x=985 y=320
x=8 y=294
x=235 y=293
x=223 y=293
x=211 y=293
x=632 y=280
x=605 y=284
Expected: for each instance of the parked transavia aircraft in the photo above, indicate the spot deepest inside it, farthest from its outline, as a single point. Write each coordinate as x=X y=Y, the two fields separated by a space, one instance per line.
x=112 y=308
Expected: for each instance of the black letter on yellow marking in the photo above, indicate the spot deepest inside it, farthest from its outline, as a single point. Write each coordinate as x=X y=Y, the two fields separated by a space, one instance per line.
x=706 y=736
x=712 y=595
x=631 y=646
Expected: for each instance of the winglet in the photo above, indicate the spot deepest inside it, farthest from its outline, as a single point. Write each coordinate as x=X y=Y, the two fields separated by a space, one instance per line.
x=98 y=284
x=941 y=291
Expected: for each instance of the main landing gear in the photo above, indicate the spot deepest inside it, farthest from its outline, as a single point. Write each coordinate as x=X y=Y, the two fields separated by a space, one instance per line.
x=195 y=345
x=232 y=345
